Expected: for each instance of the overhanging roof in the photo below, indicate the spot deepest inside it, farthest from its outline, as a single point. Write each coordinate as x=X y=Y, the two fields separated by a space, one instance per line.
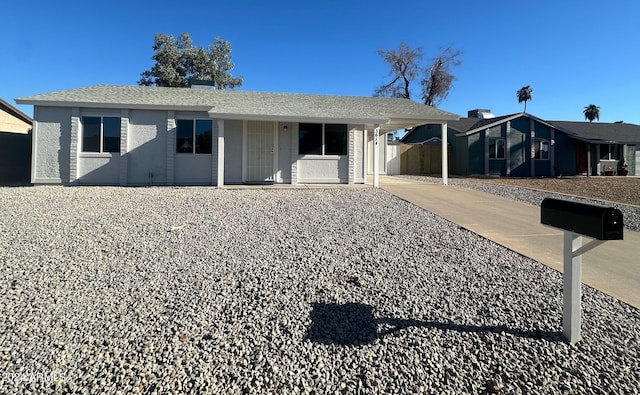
x=9 y=109
x=390 y=113
x=600 y=132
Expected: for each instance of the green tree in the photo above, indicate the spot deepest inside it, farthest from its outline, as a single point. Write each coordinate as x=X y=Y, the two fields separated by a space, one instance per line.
x=524 y=95
x=177 y=61
x=591 y=112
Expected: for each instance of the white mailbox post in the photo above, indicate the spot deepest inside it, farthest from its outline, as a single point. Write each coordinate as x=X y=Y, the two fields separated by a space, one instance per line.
x=578 y=219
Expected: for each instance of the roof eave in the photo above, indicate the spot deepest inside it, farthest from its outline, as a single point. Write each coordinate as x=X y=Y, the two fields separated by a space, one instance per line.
x=54 y=103
x=293 y=118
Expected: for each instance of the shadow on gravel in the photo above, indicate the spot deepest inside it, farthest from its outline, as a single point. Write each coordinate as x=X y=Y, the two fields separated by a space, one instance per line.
x=353 y=324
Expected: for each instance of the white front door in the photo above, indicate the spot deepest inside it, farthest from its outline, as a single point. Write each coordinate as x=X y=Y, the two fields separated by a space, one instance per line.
x=260 y=163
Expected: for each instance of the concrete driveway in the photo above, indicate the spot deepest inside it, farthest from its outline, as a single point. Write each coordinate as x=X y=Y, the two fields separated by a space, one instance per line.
x=613 y=268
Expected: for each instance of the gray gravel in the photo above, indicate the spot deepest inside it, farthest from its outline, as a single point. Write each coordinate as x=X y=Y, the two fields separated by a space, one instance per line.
x=199 y=290
x=630 y=213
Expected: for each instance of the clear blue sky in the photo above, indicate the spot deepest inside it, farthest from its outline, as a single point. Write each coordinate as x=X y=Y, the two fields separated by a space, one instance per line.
x=572 y=53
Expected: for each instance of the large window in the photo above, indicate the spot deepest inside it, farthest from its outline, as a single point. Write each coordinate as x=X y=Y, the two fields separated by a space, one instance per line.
x=496 y=148
x=194 y=136
x=100 y=134
x=322 y=139
x=609 y=151
x=542 y=149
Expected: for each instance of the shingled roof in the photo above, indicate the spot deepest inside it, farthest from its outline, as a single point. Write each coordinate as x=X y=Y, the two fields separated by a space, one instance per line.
x=391 y=113
x=601 y=132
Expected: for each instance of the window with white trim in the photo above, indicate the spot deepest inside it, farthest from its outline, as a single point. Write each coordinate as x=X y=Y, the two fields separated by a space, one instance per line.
x=541 y=149
x=496 y=148
x=100 y=134
x=194 y=136
x=322 y=139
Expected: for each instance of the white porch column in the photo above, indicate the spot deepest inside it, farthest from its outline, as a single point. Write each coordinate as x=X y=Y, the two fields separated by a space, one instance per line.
x=532 y=152
x=552 y=152
x=376 y=158
x=445 y=156
x=220 y=177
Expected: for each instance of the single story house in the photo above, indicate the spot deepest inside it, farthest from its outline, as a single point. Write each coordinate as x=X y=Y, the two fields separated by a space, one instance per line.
x=523 y=145
x=136 y=135
x=15 y=145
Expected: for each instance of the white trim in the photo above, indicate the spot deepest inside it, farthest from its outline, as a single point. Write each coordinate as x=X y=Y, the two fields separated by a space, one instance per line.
x=46 y=181
x=274 y=171
x=244 y=150
x=98 y=154
x=298 y=119
x=376 y=157
x=445 y=155
x=507 y=150
x=34 y=142
x=220 y=169
x=335 y=180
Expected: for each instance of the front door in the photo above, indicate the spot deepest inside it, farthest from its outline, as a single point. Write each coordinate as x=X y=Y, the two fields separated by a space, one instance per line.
x=260 y=164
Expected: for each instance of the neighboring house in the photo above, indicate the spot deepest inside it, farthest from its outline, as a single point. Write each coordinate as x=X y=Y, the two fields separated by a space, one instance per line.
x=15 y=145
x=522 y=145
x=134 y=135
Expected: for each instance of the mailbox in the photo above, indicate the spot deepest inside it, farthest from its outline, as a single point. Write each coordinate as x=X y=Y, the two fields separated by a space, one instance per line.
x=598 y=222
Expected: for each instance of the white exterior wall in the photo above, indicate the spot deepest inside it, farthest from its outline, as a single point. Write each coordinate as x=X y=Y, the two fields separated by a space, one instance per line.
x=332 y=168
x=358 y=153
x=91 y=167
x=382 y=153
x=99 y=169
x=232 y=152
x=195 y=169
x=147 y=142
x=148 y=154
x=393 y=159
x=51 y=142
x=283 y=174
x=319 y=169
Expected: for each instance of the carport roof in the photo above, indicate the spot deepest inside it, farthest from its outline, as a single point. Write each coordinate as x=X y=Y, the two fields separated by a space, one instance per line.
x=390 y=113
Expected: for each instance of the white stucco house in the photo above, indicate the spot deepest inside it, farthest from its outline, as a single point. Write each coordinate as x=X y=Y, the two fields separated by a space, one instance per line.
x=134 y=135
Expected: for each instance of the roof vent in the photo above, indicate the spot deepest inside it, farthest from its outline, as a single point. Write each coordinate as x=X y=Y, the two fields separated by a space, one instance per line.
x=480 y=113
x=202 y=84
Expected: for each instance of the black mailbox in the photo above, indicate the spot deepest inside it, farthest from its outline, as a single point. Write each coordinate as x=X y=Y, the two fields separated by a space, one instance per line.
x=598 y=222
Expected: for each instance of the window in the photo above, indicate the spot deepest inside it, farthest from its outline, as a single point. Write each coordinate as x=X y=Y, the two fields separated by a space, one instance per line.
x=194 y=136
x=310 y=139
x=496 y=148
x=542 y=149
x=322 y=139
x=609 y=151
x=100 y=134
x=335 y=139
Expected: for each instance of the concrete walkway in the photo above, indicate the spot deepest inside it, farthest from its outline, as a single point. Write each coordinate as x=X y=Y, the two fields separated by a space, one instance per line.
x=613 y=268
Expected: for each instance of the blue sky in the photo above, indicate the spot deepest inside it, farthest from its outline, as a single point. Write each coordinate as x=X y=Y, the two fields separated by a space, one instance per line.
x=572 y=53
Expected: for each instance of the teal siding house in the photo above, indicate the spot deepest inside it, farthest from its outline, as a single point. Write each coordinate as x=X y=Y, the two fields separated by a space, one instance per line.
x=523 y=145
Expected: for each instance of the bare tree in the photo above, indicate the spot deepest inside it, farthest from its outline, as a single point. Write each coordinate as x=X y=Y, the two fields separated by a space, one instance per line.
x=438 y=78
x=404 y=64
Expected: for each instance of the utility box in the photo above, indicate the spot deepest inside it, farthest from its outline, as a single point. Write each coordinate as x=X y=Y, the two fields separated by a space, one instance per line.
x=597 y=222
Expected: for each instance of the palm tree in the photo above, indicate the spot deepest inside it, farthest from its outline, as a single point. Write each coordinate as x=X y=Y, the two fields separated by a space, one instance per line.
x=591 y=112
x=524 y=95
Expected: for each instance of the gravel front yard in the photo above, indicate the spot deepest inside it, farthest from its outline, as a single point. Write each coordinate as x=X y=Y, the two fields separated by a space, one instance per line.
x=624 y=190
x=199 y=290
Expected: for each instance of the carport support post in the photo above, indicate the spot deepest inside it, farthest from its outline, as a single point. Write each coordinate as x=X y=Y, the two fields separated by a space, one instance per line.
x=376 y=158
x=571 y=288
x=445 y=156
